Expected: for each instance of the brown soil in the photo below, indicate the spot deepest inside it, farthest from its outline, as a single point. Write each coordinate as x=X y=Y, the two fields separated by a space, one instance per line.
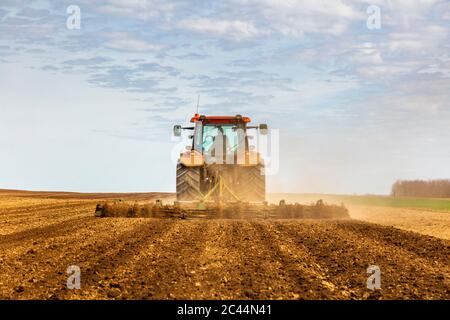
x=426 y=222
x=41 y=234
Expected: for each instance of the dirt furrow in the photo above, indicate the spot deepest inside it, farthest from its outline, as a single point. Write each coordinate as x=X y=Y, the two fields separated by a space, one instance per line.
x=40 y=269
x=347 y=256
x=162 y=271
x=21 y=227
x=218 y=272
x=33 y=209
x=423 y=246
x=107 y=270
x=38 y=234
x=310 y=279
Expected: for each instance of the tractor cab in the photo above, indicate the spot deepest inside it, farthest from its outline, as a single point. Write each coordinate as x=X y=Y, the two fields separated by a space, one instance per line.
x=220 y=136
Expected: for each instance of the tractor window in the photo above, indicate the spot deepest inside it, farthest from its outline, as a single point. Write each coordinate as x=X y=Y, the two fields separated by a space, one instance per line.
x=229 y=133
x=198 y=136
x=209 y=137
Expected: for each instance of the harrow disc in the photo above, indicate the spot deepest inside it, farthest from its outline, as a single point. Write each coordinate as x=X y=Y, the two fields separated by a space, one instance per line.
x=229 y=210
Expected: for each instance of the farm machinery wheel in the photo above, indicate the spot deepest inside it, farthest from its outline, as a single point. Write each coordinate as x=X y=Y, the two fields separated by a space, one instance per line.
x=188 y=183
x=253 y=183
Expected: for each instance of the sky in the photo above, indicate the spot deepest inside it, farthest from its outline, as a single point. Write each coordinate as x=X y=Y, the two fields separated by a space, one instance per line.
x=91 y=107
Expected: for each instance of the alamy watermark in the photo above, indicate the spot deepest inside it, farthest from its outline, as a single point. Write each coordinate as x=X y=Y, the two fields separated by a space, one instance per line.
x=374 y=280
x=374 y=20
x=74 y=279
x=73 y=21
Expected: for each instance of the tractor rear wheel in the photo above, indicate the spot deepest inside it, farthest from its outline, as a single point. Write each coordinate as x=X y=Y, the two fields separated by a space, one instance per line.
x=188 y=183
x=253 y=183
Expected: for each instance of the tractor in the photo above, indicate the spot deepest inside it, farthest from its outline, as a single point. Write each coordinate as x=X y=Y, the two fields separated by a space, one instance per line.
x=220 y=163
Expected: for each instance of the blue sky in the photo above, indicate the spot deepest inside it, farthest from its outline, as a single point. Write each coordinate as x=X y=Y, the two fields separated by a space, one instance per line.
x=92 y=109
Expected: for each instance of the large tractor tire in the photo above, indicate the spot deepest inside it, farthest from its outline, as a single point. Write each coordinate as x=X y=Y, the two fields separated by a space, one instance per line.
x=253 y=183
x=188 y=183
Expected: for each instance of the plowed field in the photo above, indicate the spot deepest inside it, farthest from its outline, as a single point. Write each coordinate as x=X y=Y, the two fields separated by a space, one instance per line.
x=41 y=234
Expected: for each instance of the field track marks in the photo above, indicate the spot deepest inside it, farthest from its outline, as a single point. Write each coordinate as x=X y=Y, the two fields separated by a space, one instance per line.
x=346 y=256
x=31 y=209
x=106 y=271
x=221 y=270
x=162 y=270
x=33 y=216
x=423 y=246
x=42 y=272
x=48 y=231
x=308 y=280
x=36 y=222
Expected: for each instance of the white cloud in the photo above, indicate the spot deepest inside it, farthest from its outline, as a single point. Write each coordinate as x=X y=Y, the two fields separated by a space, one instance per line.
x=422 y=38
x=140 y=9
x=389 y=70
x=405 y=12
x=232 y=29
x=367 y=54
x=295 y=18
x=417 y=98
x=336 y=8
x=440 y=69
x=128 y=42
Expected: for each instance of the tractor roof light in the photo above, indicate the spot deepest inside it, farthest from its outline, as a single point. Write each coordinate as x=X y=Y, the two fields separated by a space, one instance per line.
x=220 y=119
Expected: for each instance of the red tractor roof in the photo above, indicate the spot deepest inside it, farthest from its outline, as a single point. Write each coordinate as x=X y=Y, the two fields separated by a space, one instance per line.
x=220 y=119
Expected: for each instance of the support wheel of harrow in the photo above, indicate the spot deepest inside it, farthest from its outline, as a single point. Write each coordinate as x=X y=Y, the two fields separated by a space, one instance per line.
x=188 y=183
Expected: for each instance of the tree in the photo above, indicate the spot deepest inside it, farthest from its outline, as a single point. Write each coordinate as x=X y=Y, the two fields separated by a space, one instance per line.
x=421 y=188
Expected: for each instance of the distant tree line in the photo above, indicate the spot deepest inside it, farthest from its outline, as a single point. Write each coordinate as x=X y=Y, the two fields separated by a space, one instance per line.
x=421 y=188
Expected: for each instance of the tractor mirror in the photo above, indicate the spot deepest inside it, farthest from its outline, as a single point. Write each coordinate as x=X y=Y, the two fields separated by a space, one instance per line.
x=177 y=130
x=263 y=129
